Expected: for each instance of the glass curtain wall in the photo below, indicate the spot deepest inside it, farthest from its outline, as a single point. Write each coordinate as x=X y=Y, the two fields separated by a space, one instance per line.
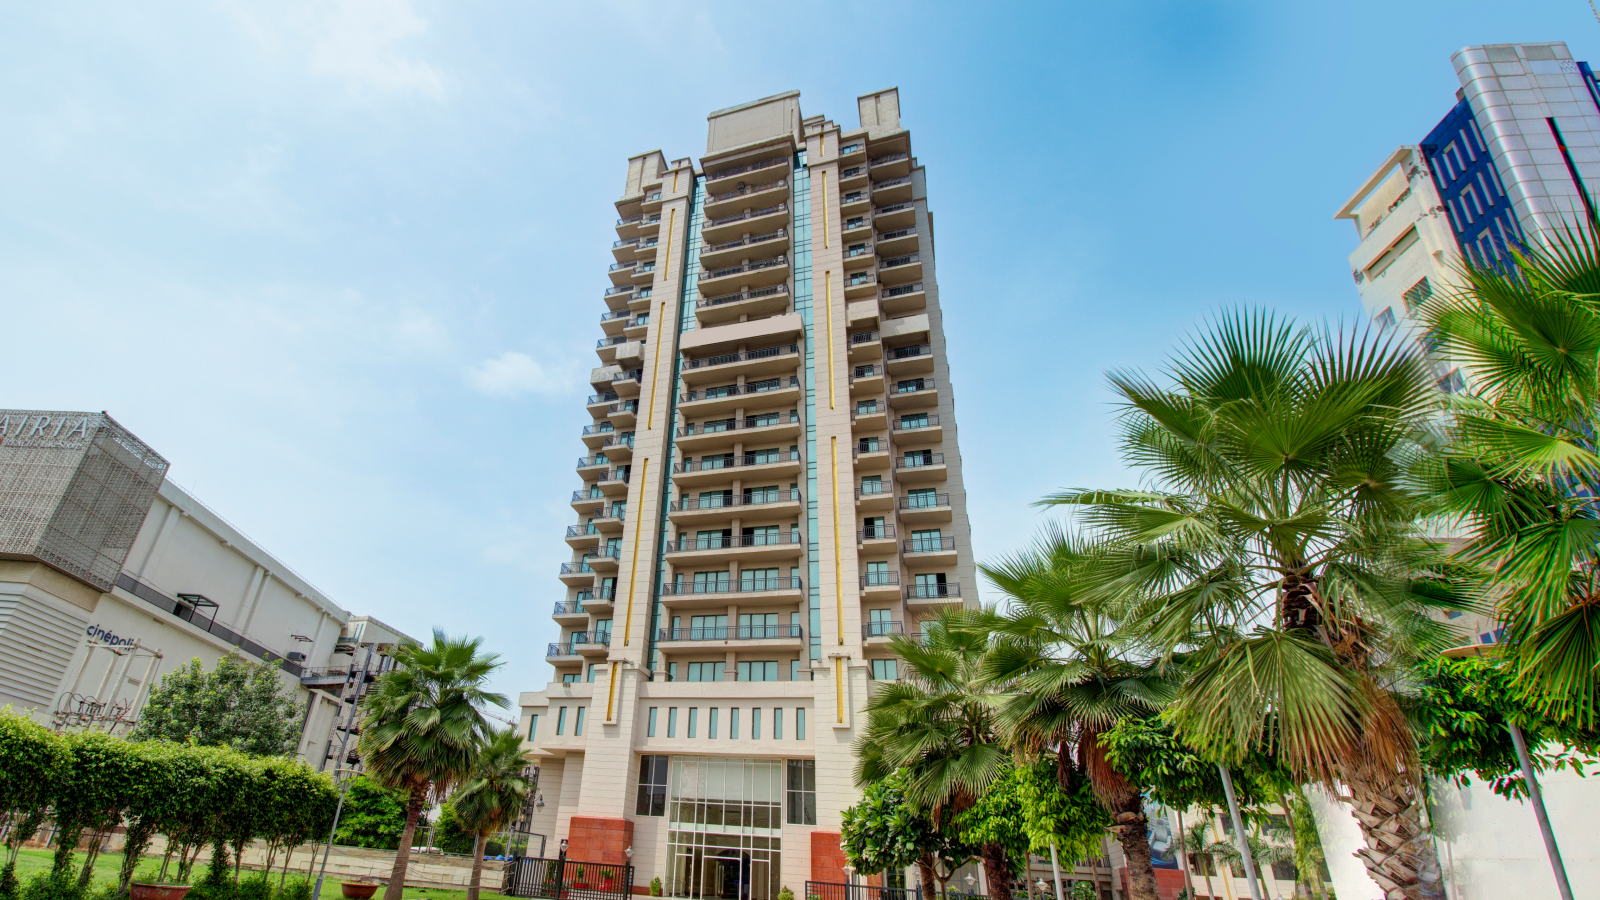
x=724 y=820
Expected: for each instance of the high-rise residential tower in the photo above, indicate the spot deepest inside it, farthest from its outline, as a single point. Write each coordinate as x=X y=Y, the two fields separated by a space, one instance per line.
x=770 y=490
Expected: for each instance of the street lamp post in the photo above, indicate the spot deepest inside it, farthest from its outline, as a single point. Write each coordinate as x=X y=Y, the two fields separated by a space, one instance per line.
x=344 y=788
x=344 y=744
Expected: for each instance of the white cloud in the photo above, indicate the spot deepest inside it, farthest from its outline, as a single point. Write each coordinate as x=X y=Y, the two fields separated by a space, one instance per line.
x=356 y=41
x=516 y=373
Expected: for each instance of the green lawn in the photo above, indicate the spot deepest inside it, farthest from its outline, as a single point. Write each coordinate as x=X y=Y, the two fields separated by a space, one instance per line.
x=33 y=862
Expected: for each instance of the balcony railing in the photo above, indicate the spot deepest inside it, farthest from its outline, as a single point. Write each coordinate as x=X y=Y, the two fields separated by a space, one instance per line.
x=592 y=493
x=929 y=544
x=730 y=586
x=878 y=533
x=851 y=172
x=924 y=501
x=589 y=594
x=745 y=241
x=774 y=291
x=626 y=242
x=891 y=182
x=880 y=579
x=620 y=289
x=756 y=266
x=734 y=541
x=601 y=398
x=752 y=167
x=918 y=460
x=913 y=386
x=862 y=250
x=599 y=428
x=629 y=405
x=580 y=530
x=616 y=314
x=714 y=463
x=748 y=189
x=628 y=375
x=863 y=337
x=888 y=158
x=611 y=341
x=746 y=356
x=630 y=220
x=897 y=261
x=897 y=233
x=720 y=425
x=881 y=629
x=748 y=498
x=932 y=591
x=894 y=208
x=848 y=149
x=616 y=474
x=752 y=214
x=561 y=650
x=568 y=608
x=575 y=568
x=730 y=633
x=916 y=423
x=872 y=489
x=901 y=290
x=866 y=372
x=857 y=279
x=734 y=390
x=617 y=267
x=599 y=553
x=912 y=352
x=653 y=195
x=603 y=638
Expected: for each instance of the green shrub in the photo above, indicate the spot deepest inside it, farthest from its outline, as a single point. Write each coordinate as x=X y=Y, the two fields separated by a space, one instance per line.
x=53 y=886
x=297 y=889
x=493 y=848
x=9 y=887
x=254 y=887
x=655 y=888
x=785 y=894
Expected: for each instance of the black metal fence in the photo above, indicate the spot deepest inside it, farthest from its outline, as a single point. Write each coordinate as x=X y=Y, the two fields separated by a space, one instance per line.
x=567 y=879
x=824 y=890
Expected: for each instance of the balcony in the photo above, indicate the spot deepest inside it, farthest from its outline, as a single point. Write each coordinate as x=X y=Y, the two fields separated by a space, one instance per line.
x=922 y=550
x=933 y=593
x=626 y=383
x=872 y=457
x=636 y=328
x=766 y=218
x=756 y=246
x=597 y=600
x=890 y=165
x=897 y=270
x=580 y=536
x=600 y=559
x=749 y=505
x=614 y=483
x=560 y=651
x=754 y=274
x=622 y=273
x=767 y=301
x=623 y=413
x=620 y=450
x=650 y=224
x=856 y=227
x=919 y=508
x=744 y=547
x=892 y=190
x=876 y=538
x=874 y=419
x=644 y=273
x=881 y=631
x=858 y=285
x=696 y=594
x=599 y=403
x=902 y=299
x=874 y=495
x=856 y=201
x=608 y=524
x=598 y=435
x=751 y=196
x=880 y=586
x=852 y=149
x=723 y=180
x=642 y=250
x=913 y=393
x=568 y=610
x=576 y=574
x=766 y=361
x=590 y=498
x=640 y=300
x=896 y=242
x=913 y=360
x=920 y=467
x=765 y=393
x=623 y=249
x=851 y=177
x=597 y=644
x=753 y=636
x=702 y=436
x=864 y=345
x=718 y=469
x=606 y=348
x=895 y=215
x=613 y=321
x=866 y=381
x=617 y=297
x=858 y=256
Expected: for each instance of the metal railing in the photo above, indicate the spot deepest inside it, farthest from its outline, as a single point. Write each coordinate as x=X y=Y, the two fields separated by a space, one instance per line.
x=568 y=608
x=862 y=250
x=607 y=397
x=932 y=591
x=590 y=494
x=893 y=208
x=914 y=351
x=615 y=314
x=873 y=411
x=888 y=158
x=620 y=289
x=880 y=579
x=730 y=586
x=733 y=541
x=765 y=386
x=870 y=371
x=748 y=498
x=730 y=633
x=598 y=553
x=781 y=259
x=599 y=428
x=604 y=593
x=654 y=195
x=881 y=629
x=625 y=406
x=575 y=568
x=616 y=475
x=581 y=530
x=913 y=386
x=851 y=172
x=928 y=421
x=891 y=182
x=879 y=533
x=848 y=149
x=752 y=214
x=773 y=291
x=561 y=649
x=863 y=337
x=857 y=279
x=626 y=242
x=929 y=544
x=752 y=167
x=715 y=463
x=908 y=231
x=897 y=261
x=629 y=220
x=748 y=189
x=746 y=356
x=900 y=290
x=854 y=222
x=924 y=501
x=568 y=879
x=872 y=489
x=745 y=241
x=609 y=341
x=617 y=267
x=602 y=638
x=918 y=460
x=629 y=375
x=720 y=425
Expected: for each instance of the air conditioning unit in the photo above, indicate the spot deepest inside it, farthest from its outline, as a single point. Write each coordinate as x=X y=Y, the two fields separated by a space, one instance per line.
x=297 y=657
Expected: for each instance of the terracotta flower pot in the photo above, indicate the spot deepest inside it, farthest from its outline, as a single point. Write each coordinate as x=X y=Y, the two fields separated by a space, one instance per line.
x=142 y=891
x=359 y=890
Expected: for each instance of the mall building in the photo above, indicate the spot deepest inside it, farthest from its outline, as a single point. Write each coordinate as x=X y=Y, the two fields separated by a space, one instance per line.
x=1511 y=161
x=771 y=489
x=112 y=576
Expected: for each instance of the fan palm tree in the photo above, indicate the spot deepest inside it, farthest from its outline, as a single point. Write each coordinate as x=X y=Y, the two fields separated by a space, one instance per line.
x=1070 y=674
x=1522 y=477
x=1197 y=841
x=491 y=796
x=421 y=727
x=939 y=724
x=1276 y=544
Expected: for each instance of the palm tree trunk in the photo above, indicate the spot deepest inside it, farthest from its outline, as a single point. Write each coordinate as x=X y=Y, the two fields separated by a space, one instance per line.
x=477 y=866
x=996 y=869
x=925 y=871
x=402 y=854
x=1392 y=826
x=1133 y=833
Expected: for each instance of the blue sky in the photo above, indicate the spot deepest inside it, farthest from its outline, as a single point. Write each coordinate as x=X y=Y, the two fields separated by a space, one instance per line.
x=341 y=262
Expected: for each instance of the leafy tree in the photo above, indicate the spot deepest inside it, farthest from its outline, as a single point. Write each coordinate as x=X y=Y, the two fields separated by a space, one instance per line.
x=1026 y=811
x=1276 y=544
x=449 y=834
x=939 y=724
x=239 y=705
x=373 y=816
x=102 y=779
x=34 y=762
x=885 y=831
x=491 y=796
x=422 y=727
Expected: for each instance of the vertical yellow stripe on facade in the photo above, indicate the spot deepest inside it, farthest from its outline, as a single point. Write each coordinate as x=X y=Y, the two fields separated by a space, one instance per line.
x=638 y=535
x=611 y=694
x=655 y=366
x=838 y=566
x=824 y=209
x=838 y=687
x=827 y=304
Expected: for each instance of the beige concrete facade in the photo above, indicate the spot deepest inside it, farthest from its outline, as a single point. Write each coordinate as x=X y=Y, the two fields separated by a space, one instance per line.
x=771 y=488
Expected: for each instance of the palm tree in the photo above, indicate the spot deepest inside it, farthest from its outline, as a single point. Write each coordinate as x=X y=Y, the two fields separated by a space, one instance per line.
x=1275 y=543
x=1522 y=476
x=1197 y=841
x=939 y=725
x=421 y=727
x=1070 y=674
x=491 y=796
